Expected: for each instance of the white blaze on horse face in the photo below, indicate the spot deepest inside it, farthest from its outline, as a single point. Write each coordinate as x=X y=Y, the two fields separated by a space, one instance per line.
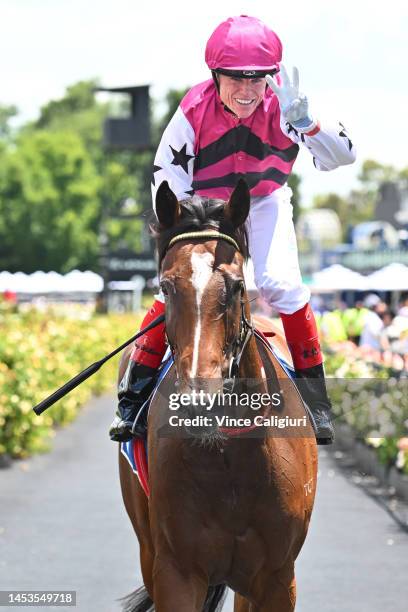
x=201 y=264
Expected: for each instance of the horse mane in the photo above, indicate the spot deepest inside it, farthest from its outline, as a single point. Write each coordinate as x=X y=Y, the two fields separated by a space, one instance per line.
x=197 y=213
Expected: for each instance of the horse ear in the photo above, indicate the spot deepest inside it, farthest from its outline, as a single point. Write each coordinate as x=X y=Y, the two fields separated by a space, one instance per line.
x=167 y=205
x=237 y=208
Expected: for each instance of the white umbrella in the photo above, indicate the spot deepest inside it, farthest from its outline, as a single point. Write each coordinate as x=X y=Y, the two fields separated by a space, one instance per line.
x=393 y=277
x=44 y=282
x=51 y=282
x=82 y=282
x=22 y=283
x=7 y=281
x=338 y=278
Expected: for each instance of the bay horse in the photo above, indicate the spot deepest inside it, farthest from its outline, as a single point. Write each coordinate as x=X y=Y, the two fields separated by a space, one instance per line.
x=228 y=507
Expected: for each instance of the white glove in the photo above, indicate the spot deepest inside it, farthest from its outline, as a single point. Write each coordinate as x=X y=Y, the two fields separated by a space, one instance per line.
x=293 y=104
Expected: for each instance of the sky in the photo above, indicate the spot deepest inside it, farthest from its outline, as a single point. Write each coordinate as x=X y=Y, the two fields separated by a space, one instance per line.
x=351 y=56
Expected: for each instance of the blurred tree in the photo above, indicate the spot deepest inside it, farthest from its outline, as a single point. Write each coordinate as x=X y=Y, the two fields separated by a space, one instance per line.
x=7 y=112
x=334 y=202
x=173 y=99
x=144 y=171
x=122 y=173
x=294 y=181
x=77 y=111
x=360 y=204
x=371 y=177
x=120 y=183
x=403 y=177
x=373 y=173
x=48 y=204
x=352 y=209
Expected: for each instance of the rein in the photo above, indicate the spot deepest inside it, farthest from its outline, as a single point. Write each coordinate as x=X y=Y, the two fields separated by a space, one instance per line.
x=246 y=330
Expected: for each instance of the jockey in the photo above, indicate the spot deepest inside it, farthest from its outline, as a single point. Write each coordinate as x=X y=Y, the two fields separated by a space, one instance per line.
x=245 y=123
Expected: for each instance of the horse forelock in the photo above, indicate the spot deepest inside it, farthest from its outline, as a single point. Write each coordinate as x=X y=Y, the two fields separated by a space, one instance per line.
x=198 y=213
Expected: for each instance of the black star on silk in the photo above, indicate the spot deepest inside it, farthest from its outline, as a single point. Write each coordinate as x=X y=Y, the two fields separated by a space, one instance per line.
x=343 y=134
x=155 y=169
x=291 y=129
x=180 y=158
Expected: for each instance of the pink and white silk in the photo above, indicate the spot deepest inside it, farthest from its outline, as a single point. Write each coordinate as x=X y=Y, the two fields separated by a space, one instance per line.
x=227 y=147
x=205 y=149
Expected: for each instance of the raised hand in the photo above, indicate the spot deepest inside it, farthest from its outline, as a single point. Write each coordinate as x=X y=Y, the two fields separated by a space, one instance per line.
x=293 y=104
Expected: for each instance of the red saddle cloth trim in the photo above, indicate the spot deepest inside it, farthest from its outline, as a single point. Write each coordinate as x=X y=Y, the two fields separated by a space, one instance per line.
x=140 y=457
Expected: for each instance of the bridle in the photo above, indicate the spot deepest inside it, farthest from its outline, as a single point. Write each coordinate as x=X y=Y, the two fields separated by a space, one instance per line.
x=246 y=329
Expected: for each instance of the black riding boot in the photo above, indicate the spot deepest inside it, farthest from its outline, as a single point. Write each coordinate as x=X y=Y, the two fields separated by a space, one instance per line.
x=134 y=389
x=312 y=387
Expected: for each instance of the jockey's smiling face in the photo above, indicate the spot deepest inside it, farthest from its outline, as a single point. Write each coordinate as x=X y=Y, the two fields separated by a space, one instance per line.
x=242 y=96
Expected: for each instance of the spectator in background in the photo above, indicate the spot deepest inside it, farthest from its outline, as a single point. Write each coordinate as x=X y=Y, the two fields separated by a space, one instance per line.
x=389 y=332
x=354 y=321
x=403 y=311
x=397 y=333
x=317 y=303
x=372 y=334
x=332 y=327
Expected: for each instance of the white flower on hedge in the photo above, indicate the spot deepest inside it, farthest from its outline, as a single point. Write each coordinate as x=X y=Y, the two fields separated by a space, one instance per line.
x=376 y=442
x=347 y=402
x=401 y=460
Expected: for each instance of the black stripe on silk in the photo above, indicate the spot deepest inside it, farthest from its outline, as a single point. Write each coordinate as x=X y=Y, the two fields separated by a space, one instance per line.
x=252 y=179
x=240 y=138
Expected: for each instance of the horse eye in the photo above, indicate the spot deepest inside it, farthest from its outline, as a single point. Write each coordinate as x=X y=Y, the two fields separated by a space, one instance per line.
x=163 y=287
x=238 y=287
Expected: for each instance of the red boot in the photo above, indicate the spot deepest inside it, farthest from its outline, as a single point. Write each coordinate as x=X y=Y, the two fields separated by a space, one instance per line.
x=303 y=341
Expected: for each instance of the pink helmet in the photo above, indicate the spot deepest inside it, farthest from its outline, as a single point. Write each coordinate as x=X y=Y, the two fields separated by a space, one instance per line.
x=243 y=45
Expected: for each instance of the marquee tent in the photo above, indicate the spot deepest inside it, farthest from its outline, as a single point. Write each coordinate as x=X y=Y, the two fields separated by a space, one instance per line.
x=393 y=277
x=51 y=282
x=337 y=278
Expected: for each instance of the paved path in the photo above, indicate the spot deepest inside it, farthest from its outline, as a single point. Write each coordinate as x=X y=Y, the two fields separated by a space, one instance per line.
x=63 y=526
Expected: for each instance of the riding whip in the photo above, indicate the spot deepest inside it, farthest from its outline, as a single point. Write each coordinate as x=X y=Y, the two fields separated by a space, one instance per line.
x=90 y=370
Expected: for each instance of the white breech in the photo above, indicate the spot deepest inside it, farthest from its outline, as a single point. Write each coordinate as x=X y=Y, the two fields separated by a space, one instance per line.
x=273 y=250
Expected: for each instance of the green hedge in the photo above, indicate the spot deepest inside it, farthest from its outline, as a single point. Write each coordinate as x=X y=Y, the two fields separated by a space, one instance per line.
x=38 y=353
x=373 y=400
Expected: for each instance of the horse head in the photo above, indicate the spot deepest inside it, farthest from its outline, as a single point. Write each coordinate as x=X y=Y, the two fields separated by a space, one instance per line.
x=202 y=246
